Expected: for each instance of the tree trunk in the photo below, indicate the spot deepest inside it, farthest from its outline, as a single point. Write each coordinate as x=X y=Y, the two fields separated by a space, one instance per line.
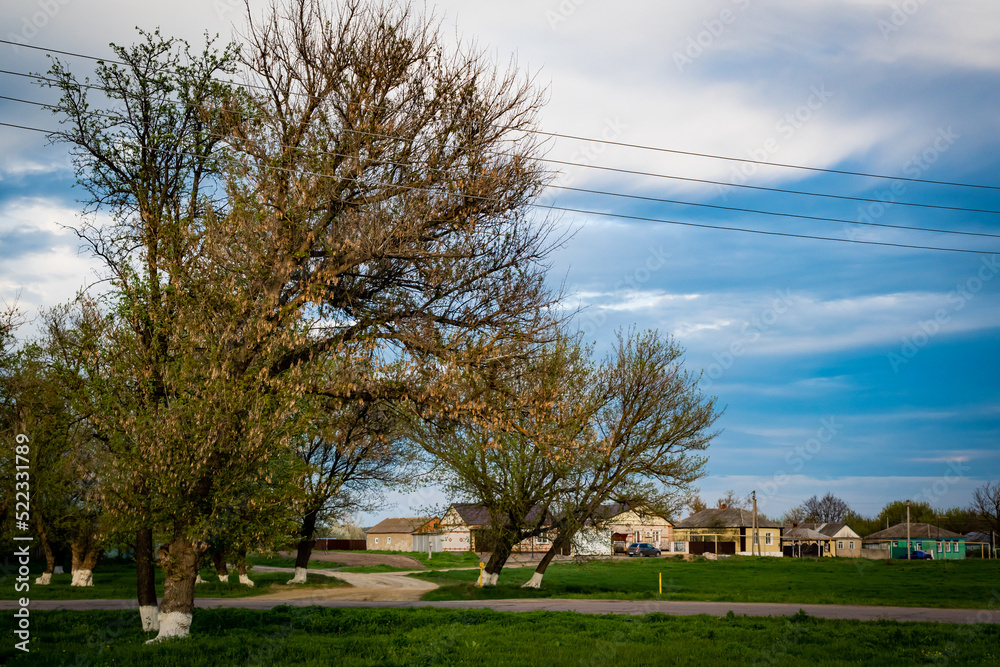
x=502 y=548
x=145 y=579
x=306 y=544
x=85 y=556
x=557 y=546
x=179 y=561
x=219 y=561
x=50 y=556
x=241 y=565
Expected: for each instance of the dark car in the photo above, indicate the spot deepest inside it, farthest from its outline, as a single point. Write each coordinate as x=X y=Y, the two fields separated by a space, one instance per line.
x=642 y=549
x=917 y=554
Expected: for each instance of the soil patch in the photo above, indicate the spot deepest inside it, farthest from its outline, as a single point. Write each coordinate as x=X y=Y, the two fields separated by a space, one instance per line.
x=355 y=558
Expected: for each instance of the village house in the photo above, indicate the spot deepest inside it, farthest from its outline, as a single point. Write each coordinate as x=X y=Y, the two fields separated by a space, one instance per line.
x=835 y=539
x=726 y=531
x=395 y=534
x=463 y=523
x=938 y=542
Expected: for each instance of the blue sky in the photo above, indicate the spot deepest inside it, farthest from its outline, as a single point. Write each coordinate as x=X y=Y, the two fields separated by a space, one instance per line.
x=868 y=371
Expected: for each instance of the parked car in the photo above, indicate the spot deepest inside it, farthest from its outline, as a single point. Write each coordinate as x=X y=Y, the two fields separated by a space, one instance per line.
x=917 y=554
x=642 y=549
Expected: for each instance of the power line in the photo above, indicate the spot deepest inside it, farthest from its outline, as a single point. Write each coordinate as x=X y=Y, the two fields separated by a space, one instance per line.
x=622 y=216
x=762 y=162
x=647 y=198
x=608 y=142
x=657 y=175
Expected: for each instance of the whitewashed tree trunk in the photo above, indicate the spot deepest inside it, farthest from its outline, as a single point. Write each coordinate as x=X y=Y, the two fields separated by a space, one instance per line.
x=172 y=624
x=224 y=578
x=300 y=576
x=490 y=579
x=44 y=580
x=150 y=619
x=82 y=578
x=245 y=580
x=534 y=582
x=59 y=570
x=199 y=580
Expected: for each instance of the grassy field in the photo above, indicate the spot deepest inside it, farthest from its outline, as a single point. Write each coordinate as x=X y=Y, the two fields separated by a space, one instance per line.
x=973 y=584
x=322 y=636
x=116 y=581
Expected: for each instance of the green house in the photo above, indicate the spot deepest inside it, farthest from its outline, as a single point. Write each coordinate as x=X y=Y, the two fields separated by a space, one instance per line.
x=938 y=542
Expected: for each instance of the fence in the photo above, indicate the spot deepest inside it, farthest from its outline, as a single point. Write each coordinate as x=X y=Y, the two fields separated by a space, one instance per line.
x=325 y=544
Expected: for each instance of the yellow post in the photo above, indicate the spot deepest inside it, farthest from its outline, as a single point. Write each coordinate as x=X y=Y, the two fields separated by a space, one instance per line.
x=661 y=583
x=481 y=566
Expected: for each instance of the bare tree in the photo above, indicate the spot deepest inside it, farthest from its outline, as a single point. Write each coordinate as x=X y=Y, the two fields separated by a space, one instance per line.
x=986 y=503
x=827 y=509
x=732 y=500
x=645 y=439
x=695 y=504
x=794 y=515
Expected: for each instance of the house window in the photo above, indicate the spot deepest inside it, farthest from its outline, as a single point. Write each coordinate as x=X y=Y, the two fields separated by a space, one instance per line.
x=840 y=544
x=918 y=545
x=376 y=540
x=940 y=547
x=851 y=545
x=767 y=539
x=949 y=547
x=895 y=544
x=388 y=540
x=756 y=539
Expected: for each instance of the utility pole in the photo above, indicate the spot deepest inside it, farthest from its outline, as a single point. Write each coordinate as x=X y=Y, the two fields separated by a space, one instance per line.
x=907 y=530
x=755 y=542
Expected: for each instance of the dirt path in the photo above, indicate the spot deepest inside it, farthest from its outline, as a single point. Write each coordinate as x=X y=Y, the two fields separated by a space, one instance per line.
x=382 y=586
x=352 y=559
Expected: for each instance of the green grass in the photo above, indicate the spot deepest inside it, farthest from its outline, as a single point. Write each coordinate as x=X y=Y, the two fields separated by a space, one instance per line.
x=116 y=581
x=350 y=637
x=437 y=561
x=972 y=584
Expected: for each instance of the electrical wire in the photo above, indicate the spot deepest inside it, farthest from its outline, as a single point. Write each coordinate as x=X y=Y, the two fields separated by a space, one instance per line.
x=647 y=198
x=622 y=216
x=670 y=177
x=560 y=135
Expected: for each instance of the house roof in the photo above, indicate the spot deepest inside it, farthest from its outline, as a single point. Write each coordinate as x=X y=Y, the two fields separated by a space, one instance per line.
x=802 y=533
x=828 y=529
x=731 y=517
x=917 y=531
x=609 y=511
x=399 y=525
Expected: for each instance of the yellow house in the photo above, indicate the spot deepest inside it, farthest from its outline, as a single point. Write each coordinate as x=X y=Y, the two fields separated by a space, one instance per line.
x=727 y=531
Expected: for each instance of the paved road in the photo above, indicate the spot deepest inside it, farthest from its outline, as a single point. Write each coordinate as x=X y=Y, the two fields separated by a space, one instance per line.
x=676 y=608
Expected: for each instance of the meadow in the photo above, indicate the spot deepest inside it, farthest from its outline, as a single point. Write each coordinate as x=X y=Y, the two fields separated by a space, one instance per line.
x=349 y=637
x=970 y=584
